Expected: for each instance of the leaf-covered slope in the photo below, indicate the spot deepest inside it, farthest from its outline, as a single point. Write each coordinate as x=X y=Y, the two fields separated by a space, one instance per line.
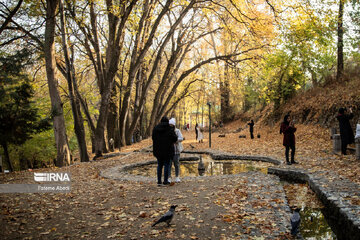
x=320 y=105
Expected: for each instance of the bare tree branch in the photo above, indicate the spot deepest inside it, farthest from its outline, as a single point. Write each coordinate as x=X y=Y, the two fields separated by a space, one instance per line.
x=9 y=17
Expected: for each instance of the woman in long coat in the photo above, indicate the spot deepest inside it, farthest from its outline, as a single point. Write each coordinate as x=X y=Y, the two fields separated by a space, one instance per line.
x=346 y=132
x=288 y=129
x=200 y=135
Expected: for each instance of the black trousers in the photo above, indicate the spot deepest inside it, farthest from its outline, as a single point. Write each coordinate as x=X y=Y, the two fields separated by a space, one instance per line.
x=287 y=149
x=252 y=135
x=343 y=146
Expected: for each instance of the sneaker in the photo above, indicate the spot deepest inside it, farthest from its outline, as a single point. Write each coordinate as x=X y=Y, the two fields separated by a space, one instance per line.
x=293 y=162
x=177 y=179
x=288 y=163
x=169 y=180
x=166 y=183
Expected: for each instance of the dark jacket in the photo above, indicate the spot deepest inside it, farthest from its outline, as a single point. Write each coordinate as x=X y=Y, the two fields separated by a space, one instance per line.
x=346 y=132
x=163 y=137
x=289 y=136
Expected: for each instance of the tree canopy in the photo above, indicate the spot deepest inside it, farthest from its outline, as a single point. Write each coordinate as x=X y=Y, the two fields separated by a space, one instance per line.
x=114 y=68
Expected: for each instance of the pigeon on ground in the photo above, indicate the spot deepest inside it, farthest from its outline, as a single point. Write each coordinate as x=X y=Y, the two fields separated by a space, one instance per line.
x=295 y=222
x=167 y=217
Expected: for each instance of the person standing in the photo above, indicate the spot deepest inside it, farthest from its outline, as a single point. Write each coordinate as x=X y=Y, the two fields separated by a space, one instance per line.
x=251 y=125
x=346 y=132
x=178 y=149
x=196 y=130
x=163 y=137
x=199 y=135
x=288 y=129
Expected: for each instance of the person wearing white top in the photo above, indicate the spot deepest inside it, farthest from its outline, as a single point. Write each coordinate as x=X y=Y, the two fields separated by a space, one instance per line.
x=200 y=135
x=178 y=149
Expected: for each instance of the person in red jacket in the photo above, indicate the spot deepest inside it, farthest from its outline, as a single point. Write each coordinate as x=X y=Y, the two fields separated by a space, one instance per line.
x=288 y=129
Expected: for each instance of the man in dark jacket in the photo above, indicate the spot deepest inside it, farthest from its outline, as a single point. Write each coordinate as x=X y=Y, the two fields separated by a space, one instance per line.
x=163 y=137
x=346 y=132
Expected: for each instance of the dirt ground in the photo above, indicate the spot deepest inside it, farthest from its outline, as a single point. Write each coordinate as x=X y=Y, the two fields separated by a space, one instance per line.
x=212 y=208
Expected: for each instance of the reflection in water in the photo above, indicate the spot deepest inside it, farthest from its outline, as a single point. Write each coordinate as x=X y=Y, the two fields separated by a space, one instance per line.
x=207 y=167
x=313 y=223
x=201 y=167
x=221 y=168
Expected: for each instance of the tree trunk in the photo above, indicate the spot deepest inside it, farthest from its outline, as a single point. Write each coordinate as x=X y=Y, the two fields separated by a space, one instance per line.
x=92 y=138
x=112 y=120
x=136 y=61
x=116 y=34
x=226 y=113
x=128 y=133
x=340 y=43
x=6 y=155
x=141 y=123
x=224 y=84
x=100 y=145
x=90 y=122
x=23 y=161
x=63 y=152
x=118 y=131
x=70 y=77
x=153 y=120
x=80 y=133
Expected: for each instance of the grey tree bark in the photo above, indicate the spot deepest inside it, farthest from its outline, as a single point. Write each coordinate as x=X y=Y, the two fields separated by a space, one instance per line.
x=69 y=74
x=63 y=152
x=136 y=61
x=340 y=43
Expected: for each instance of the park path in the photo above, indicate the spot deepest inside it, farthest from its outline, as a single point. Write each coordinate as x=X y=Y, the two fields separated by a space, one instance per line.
x=245 y=206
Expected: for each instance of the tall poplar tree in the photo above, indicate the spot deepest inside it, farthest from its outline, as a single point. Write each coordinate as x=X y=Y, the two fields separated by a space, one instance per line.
x=63 y=151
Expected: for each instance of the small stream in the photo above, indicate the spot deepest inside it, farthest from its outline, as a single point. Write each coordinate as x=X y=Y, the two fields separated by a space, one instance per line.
x=313 y=222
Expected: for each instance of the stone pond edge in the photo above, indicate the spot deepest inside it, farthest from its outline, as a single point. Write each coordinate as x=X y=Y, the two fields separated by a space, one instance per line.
x=345 y=214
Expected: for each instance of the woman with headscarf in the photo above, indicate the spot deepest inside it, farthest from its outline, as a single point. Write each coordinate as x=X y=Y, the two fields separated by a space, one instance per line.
x=346 y=132
x=199 y=135
x=288 y=129
x=178 y=149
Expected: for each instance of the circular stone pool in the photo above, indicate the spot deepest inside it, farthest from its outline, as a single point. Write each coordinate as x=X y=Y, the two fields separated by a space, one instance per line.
x=205 y=167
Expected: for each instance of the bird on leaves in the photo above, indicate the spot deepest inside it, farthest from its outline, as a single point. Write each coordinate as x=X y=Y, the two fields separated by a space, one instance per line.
x=167 y=217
